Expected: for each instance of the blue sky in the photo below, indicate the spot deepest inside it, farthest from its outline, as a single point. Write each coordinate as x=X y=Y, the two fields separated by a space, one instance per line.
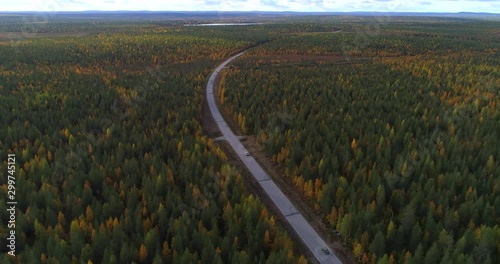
x=492 y=6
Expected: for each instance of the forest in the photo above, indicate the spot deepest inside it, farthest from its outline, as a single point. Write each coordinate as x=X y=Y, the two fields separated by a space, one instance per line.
x=112 y=165
x=389 y=128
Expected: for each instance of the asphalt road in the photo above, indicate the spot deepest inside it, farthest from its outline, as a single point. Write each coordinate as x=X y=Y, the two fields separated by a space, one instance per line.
x=303 y=229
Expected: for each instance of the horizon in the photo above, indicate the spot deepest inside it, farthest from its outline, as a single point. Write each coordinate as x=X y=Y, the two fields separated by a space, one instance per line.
x=246 y=11
x=295 y=6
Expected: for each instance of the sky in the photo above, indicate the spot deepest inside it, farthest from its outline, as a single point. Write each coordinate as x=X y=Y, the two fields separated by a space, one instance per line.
x=491 y=6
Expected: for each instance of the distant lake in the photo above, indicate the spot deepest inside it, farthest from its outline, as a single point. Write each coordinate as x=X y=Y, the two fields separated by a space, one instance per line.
x=221 y=24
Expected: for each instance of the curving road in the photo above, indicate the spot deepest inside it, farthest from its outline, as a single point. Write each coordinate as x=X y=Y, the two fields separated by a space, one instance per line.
x=309 y=236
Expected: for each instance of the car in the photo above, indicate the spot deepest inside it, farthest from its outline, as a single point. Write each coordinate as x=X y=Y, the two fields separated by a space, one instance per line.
x=210 y=92
x=326 y=251
x=247 y=154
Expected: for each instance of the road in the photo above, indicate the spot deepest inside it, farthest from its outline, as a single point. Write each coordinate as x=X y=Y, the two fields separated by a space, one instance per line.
x=309 y=236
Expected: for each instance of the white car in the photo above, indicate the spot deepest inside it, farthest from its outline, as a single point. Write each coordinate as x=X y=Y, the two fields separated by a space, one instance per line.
x=247 y=154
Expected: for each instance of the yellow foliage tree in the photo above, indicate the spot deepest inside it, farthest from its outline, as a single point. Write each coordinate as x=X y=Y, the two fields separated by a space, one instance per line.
x=263 y=213
x=391 y=259
x=317 y=189
x=408 y=257
x=333 y=216
x=267 y=239
x=354 y=145
x=365 y=259
x=271 y=222
x=299 y=182
x=60 y=218
x=302 y=260
x=308 y=189
x=166 y=249
x=143 y=253
x=390 y=229
x=490 y=165
x=358 y=250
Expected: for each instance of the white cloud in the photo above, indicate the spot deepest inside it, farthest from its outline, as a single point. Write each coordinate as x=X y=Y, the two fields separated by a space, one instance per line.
x=245 y=5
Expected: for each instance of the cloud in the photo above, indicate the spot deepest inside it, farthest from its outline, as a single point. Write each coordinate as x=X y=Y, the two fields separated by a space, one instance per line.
x=262 y=5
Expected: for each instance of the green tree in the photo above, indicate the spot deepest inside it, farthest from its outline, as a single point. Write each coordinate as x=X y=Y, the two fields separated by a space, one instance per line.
x=377 y=246
x=433 y=255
